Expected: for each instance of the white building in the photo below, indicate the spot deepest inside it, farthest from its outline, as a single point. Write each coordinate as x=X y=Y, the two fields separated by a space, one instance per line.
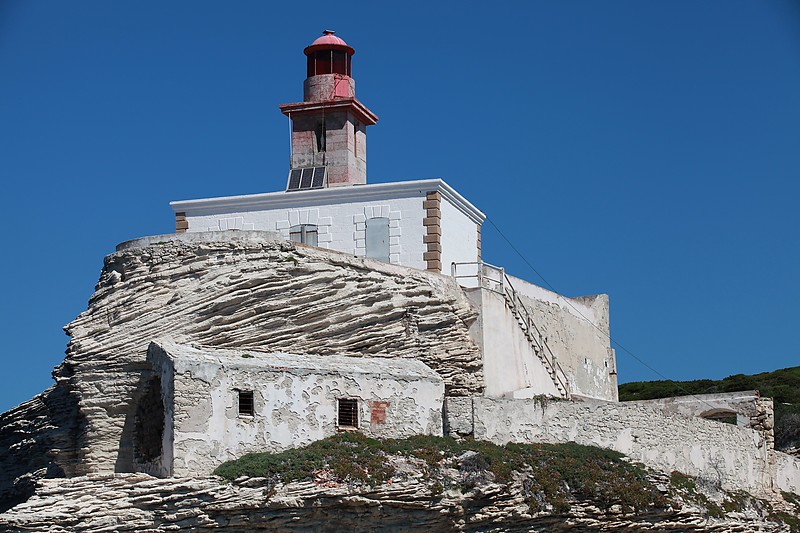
x=421 y=224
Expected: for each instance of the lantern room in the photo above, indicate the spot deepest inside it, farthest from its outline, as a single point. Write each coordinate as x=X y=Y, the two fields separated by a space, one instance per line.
x=329 y=143
x=329 y=54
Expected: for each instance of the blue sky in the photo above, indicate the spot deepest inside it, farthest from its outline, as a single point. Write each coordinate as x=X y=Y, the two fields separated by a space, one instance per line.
x=648 y=150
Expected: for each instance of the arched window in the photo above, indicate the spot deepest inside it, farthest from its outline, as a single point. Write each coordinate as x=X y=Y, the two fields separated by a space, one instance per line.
x=304 y=234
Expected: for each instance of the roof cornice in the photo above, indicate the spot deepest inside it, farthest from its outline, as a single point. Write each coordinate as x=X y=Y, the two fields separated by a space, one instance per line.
x=332 y=195
x=351 y=104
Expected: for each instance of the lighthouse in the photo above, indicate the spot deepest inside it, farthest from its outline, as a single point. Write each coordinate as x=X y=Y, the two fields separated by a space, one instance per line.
x=326 y=201
x=328 y=128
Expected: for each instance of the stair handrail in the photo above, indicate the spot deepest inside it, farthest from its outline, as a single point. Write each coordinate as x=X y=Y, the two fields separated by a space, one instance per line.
x=509 y=293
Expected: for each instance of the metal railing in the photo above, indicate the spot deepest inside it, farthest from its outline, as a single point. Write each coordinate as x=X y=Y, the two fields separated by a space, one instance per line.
x=493 y=278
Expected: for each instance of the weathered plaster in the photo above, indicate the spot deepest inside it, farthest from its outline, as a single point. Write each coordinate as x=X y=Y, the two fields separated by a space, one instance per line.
x=750 y=409
x=577 y=331
x=733 y=457
x=295 y=400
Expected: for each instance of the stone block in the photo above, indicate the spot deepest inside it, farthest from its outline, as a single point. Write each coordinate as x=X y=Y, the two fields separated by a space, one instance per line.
x=432 y=256
x=434 y=265
x=458 y=416
x=435 y=230
x=431 y=237
x=434 y=247
x=431 y=221
x=434 y=195
x=431 y=204
x=435 y=213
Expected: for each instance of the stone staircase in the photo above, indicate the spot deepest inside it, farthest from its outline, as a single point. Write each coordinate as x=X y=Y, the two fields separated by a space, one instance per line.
x=493 y=278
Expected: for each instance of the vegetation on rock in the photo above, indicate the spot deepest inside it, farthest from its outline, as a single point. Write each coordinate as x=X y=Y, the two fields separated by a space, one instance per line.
x=553 y=479
x=550 y=475
x=783 y=386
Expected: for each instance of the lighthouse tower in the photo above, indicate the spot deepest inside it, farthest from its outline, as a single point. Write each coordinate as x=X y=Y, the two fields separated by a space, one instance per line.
x=329 y=140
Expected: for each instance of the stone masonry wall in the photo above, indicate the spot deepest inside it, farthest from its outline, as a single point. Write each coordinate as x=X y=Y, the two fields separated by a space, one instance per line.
x=732 y=457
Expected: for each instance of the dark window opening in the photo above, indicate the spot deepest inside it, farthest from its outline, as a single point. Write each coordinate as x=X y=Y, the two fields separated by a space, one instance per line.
x=304 y=234
x=149 y=422
x=339 y=62
x=320 y=135
x=347 y=413
x=246 y=404
x=328 y=62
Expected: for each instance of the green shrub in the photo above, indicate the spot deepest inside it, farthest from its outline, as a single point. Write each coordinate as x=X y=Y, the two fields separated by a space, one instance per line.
x=554 y=473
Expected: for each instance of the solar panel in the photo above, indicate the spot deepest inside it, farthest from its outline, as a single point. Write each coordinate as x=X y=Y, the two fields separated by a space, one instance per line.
x=319 y=177
x=305 y=181
x=294 y=179
x=306 y=178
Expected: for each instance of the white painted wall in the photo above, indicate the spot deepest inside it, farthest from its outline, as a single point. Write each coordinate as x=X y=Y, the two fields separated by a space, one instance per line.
x=341 y=214
x=341 y=227
x=295 y=400
x=459 y=236
x=510 y=364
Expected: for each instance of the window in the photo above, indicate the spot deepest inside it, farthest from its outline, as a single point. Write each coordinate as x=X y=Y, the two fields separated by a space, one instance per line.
x=304 y=234
x=347 y=416
x=246 y=404
x=320 y=136
x=378 y=238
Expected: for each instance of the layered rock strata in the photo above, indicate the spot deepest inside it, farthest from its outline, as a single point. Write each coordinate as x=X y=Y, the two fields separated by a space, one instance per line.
x=137 y=502
x=233 y=289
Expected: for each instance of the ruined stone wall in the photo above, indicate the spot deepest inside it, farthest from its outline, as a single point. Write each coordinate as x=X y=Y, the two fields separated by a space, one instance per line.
x=294 y=402
x=732 y=457
x=750 y=409
x=247 y=290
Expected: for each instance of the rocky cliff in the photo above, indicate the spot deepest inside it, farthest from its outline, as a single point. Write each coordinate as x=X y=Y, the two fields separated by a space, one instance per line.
x=228 y=289
x=137 y=502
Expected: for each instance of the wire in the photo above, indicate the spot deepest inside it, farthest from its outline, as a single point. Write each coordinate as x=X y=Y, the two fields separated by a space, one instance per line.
x=612 y=340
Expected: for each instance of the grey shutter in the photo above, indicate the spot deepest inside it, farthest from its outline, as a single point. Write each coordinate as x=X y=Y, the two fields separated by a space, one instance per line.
x=378 y=238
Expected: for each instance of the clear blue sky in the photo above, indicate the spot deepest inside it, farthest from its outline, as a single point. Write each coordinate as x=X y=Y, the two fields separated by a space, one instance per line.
x=648 y=150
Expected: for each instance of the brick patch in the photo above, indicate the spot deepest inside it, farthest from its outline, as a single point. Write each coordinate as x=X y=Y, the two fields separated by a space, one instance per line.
x=377 y=411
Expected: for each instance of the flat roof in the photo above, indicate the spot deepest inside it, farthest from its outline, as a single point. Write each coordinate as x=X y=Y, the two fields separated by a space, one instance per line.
x=327 y=196
x=187 y=358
